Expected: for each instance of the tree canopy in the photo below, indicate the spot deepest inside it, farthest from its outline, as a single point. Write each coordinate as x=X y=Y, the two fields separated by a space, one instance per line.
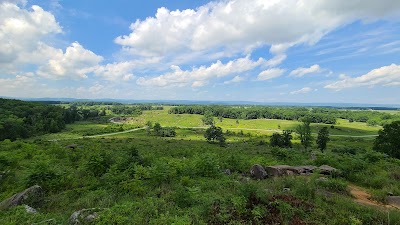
x=388 y=140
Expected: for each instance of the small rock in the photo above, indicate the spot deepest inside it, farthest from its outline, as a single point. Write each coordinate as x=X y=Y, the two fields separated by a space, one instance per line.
x=390 y=193
x=84 y=216
x=258 y=172
x=322 y=179
x=228 y=172
x=394 y=200
x=72 y=146
x=327 y=170
x=289 y=173
x=286 y=189
x=30 y=209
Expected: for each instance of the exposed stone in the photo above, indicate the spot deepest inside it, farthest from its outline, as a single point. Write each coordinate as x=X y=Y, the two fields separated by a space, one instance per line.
x=286 y=189
x=278 y=170
x=32 y=196
x=289 y=173
x=304 y=169
x=327 y=170
x=84 y=216
x=30 y=209
x=228 y=172
x=322 y=179
x=72 y=146
x=258 y=172
x=394 y=200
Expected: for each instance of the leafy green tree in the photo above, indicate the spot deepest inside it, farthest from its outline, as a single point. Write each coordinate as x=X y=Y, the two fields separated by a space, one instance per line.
x=149 y=126
x=208 y=119
x=276 y=140
x=304 y=131
x=287 y=138
x=213 y=134
x=388 y=140
x=281 y=140
x=168 y=132
x=323 y=138
x=157 y=129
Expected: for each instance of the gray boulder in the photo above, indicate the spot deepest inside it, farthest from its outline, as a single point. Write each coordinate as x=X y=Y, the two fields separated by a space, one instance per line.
x=394 y=200
x=32 y=196
x=280 y=170
x=84 y=216
x=304 y=169
x=327 y=170
x=258 y=172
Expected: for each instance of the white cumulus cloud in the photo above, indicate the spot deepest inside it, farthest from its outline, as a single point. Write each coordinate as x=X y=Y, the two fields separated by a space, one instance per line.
x=304 y=90
x=236 y=79
x=22 y=32
x=301 y=71
x=385 y=76
x=270 y=74
x=198 y=77
x=242 y=25
x=76 y=63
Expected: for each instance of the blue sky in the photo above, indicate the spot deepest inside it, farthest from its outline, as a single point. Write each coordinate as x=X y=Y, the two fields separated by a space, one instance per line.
x=261 y=50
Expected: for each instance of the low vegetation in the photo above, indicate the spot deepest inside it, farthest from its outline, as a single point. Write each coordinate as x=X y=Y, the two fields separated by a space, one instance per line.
x=149 y=177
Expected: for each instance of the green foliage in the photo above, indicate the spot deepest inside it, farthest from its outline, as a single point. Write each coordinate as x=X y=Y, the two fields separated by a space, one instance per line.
x=206 y=165
x=158 y=130
x=214 y=133
x=322 y=138
x=388 y=140
x=304 y=131
x=281 y=140
x=276 y=140
x=140 y=179
x=208 y=119
x=98 y=164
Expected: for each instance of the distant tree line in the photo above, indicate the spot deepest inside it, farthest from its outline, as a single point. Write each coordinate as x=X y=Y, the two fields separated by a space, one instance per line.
x=314 y=115
x=133 y=110
x=19 y=119
x=256 y=112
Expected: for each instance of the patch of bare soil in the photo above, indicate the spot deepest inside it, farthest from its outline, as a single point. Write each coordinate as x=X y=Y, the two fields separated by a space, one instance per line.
x=362 y=197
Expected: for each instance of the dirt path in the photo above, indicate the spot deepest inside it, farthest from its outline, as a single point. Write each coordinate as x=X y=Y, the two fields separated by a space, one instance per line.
x=362 y=197
x=110 y=134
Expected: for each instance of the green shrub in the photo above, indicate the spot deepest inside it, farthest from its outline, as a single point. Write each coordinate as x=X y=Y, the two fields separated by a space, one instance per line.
x=98 y=164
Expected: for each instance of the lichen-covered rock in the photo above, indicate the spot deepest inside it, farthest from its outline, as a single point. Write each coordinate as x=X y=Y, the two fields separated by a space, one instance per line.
x=84 y=216
x=304 y=169
x=30 y=209
x=279 y=170
x=327 y=170
x=32 y=196
x=258 y=172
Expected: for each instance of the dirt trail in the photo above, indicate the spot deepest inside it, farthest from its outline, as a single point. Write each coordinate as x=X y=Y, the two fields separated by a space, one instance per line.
x=363 y=198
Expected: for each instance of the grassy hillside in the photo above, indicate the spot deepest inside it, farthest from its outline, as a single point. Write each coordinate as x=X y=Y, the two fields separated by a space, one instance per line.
x=136 y=178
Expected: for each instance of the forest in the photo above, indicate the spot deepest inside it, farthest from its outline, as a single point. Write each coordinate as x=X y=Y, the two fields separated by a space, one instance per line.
x=315 y=115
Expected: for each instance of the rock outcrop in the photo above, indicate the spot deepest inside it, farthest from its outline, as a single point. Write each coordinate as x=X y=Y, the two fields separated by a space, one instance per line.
x=32 y=196
x=258 y=172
